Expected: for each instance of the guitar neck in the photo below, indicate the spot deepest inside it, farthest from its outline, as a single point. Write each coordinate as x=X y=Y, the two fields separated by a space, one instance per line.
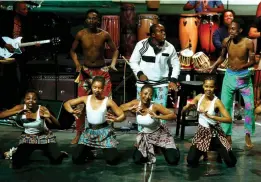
x=34 y=43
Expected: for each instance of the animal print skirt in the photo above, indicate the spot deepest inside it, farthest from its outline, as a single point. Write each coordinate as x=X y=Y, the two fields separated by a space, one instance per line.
x=204 y=135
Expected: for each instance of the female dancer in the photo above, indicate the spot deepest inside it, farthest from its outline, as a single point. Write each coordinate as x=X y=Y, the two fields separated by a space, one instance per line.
x=98 y=133
x=209 y=133
x=35 y=135
x=153 y=133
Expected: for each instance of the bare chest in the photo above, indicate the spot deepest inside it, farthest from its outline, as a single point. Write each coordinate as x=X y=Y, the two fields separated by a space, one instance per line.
x=238 y=50
x=93 y=41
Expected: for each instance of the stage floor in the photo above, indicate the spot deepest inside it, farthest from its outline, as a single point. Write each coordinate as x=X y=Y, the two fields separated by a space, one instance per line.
x=247 y=169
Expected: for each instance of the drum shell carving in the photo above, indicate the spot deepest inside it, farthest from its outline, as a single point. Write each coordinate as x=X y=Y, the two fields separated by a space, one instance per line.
x=188 y=31
x=129 y=41
x=128 y=18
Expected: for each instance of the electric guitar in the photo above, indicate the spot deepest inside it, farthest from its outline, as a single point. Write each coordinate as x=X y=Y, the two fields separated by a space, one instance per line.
x=16 y=43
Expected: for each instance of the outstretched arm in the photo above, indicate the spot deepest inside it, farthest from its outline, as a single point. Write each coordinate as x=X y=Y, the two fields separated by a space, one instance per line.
x=130 y=106
x=164 y=113
x=222 y=56
x=73 y=53
x=192 y=104
x=73 y=102
x=10 y=112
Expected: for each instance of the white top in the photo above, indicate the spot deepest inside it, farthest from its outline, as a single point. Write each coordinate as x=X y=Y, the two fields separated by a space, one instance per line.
x=155 y=66
x=148 y=124
x=96 y=116
x=202 y=119
x=36 y=126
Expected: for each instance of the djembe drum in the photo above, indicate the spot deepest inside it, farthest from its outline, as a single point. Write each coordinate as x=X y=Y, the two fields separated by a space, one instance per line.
x=209 y=22
x=111 y=24
x=200 y=61
x=188 y=31
x=185 y=58
x=145 y=21
x=128 y=29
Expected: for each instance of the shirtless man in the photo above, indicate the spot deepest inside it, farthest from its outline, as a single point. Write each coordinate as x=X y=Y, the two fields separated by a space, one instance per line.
x=238 y=77
x=92 y=40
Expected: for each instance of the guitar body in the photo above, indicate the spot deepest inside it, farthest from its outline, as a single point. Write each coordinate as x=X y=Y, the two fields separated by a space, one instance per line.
x=16 y=43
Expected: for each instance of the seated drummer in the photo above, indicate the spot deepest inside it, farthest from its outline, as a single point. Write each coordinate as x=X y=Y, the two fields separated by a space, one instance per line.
x=204 y=6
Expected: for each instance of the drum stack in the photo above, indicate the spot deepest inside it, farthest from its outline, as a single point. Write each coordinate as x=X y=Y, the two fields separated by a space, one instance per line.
x=128 y=29
x=111 y=23
x=193 y=28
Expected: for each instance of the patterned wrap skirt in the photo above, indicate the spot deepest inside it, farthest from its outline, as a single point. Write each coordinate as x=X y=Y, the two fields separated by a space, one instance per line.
x=203 y=136
x=99 y=138
x=41 y=138
x=161 y=138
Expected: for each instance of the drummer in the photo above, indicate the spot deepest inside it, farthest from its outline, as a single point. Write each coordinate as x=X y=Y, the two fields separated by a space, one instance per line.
x=149 y=61
x=204 y=6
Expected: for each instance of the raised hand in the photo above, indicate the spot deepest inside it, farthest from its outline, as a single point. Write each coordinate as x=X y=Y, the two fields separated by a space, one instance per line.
x=134 y=108
x=153 y=114
x=111 y=117
x=44 y=112
x=76 y=113
x=113 y=67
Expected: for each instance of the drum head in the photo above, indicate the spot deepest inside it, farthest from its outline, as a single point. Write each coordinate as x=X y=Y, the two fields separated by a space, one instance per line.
x=198 y=54
x=148 y=16
x=207 y=13
x=188 y=15
x=187 y=53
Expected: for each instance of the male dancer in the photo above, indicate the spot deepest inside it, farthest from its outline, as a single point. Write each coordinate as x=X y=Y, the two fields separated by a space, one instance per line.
x=238 y=77
x=92 y=40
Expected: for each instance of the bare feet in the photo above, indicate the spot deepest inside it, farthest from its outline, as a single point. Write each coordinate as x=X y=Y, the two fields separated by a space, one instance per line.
x=76 y=139
x=249 y=144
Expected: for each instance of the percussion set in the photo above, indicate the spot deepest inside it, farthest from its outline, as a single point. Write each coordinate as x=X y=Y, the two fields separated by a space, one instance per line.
x=193 y=28
x=198 y=61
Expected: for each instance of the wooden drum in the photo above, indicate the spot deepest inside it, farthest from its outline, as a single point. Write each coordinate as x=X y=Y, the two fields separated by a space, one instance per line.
x=145 y=21
x=111 y=24
x=128 y=18
x=209 y=22
x=188 y=31
x=153 y=4
x=200 y=61
x=185 y=58
x=128 y=29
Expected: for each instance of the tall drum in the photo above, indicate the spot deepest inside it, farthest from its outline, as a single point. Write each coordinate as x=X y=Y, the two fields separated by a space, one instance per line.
x=145 y=21
x=128 y=29
x=128 y=18
x=209 y=22
x=188 y=31
x=112 y=25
